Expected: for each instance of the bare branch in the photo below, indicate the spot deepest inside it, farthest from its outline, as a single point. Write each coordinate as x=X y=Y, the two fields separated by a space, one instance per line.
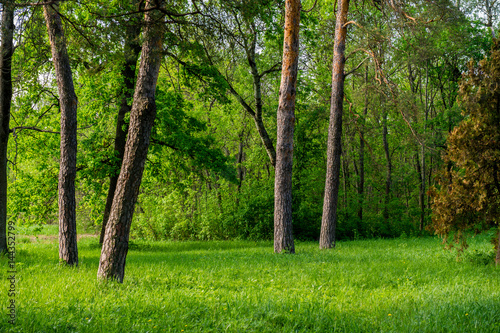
x=356 y=68
x=351 y=22
x=309 y=10
x=275 y=68
x=14 y=129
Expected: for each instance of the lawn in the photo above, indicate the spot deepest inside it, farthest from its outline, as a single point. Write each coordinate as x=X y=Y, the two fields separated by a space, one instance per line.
x=399 y=285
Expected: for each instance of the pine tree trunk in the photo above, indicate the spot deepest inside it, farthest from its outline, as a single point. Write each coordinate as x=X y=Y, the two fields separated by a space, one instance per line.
x=329 y=219
x=142 y=116
x=6 y=52
x=132 y=49
x=283 y=233
x=68 y=251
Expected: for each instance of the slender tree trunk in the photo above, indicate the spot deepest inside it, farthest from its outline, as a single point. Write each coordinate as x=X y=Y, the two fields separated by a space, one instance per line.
x=142 y=116
x=68 y=250
x=257 y=116
x=388 y=177
x=132 y=49
x=497 y=259
x=283 y=233
x=329 y=219
x=6 y=52
x=489 y=17
x=422 y=190
x=361 y=185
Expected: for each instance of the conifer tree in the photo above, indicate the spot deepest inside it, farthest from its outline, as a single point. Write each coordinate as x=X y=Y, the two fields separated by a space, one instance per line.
x=468 y=194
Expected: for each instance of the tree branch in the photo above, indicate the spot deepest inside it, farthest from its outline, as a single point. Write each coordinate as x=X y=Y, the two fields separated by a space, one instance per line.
x=356 y=68
x=274 y=68
x=14 y=129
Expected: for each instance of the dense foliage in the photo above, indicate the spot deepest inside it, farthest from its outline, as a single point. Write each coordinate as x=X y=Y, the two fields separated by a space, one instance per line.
x=209 y=174
x=468 y=194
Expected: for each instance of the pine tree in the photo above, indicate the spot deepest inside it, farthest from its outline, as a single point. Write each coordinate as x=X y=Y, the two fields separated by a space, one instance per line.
x=468 y=195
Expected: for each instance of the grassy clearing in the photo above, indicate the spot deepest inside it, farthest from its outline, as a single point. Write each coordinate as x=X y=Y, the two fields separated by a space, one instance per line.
x=402 y=285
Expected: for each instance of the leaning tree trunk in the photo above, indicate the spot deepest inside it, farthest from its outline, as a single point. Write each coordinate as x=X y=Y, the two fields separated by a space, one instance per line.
x=329 y=219
x=142 y=116
x=68 y=251
x=131 y=49
x=257 y=85
x=6 y=52
x=283 y=233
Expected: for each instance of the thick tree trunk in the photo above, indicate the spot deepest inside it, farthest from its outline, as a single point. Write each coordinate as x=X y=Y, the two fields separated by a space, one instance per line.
x=283 y=233
x=142 y=116
x=132 y=49
x=6 y=52
x=329 y=219
x=68 y=251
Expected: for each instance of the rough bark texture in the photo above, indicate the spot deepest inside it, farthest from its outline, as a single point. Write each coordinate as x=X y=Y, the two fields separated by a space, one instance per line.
x=329 y=219
x=131 y=50
x=68 y=251
x=6 y=52
x=283 y=233
x=142 y=116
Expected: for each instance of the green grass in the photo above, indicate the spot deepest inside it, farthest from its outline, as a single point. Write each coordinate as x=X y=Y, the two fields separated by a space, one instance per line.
x=402 y=285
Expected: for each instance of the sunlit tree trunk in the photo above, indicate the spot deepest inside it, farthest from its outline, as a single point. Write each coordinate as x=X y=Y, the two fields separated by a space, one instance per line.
x=68 y=250
x=283 y=233
x=6 y=52
x=329 y=219
x=132 y=49
x=142 y=116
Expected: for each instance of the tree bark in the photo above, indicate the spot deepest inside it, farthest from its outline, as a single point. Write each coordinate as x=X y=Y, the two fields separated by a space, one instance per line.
x=361 y=185
x=142 y=116
x=257 y=116
x=489 y=17
x=283 y=233
x=131 y=51
x=6 y=52
x=388 y=176
x=497 y=259
x=68 y=251
x=329 y=219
